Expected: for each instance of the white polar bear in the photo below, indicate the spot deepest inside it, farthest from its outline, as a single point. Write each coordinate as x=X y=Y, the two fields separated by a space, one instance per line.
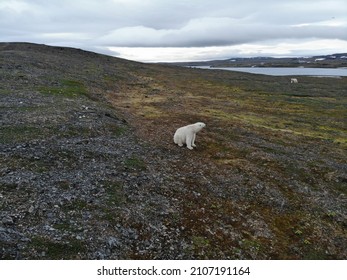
x=187 y=134
x=294 y=80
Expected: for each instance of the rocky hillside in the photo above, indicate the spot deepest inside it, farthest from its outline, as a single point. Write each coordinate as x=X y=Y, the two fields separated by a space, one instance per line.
x=88 y=168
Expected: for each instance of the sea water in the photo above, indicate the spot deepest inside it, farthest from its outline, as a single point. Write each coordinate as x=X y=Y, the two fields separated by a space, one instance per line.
x=285 y=71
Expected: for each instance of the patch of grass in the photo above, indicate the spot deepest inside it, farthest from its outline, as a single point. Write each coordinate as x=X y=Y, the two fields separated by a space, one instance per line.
x=117 y=130
x=5 y=91
x=71 y=249
x=135 y=163
x=200 y=241
x=67 y=88
x=200 y=245
x=80 y=204
x=65 y=185
x=115 y=79
x=20 y=133
x=341 y=186
x=114 y=192
x=63 y=227
x=315 y=254
x=115 y=197
x=8 y=187
x=77 y=205
x=75 y=131
x=251 y=245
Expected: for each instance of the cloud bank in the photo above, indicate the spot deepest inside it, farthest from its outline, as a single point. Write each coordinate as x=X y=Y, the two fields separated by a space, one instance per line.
x=176 y=30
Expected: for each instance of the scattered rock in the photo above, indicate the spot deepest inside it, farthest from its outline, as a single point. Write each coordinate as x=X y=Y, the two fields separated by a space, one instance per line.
x=7 y=220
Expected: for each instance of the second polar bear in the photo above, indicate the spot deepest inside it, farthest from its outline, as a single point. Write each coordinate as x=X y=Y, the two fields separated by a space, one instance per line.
x=187 y=134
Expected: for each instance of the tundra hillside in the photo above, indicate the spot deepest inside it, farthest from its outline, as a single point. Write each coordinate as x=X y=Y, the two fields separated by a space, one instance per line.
x=89 y=169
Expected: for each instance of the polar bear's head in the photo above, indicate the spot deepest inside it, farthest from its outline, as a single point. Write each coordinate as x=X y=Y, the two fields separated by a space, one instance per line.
x=198 y=126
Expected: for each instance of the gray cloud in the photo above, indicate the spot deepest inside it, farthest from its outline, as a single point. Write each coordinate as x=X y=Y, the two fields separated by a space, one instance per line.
x=101 y=24
x=204 y=32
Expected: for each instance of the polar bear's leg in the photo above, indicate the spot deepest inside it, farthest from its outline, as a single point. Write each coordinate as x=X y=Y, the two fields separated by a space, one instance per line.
x=193 y=140
x=178 y=139
x=189 y=138
x=181 y=140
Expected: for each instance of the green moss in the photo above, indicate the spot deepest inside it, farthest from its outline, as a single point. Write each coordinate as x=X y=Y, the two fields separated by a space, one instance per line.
x=315 y=254
x=70 y=249
x=117 y=130
x=67 y=88
x=77 y=205
x=8 y=187
x=5 y=91
x=63 y=227
x=65 y=185
x=135 y=163
x=114 y=192
x=341 y=186
x=20 y=133
x=200 y=245
x=251 y=245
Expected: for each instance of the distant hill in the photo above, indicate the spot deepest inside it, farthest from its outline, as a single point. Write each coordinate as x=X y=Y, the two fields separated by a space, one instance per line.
x=325 y=61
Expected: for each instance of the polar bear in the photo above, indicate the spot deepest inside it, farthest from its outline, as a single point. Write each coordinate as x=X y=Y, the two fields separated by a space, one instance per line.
x=293 y=80
x=187 y=134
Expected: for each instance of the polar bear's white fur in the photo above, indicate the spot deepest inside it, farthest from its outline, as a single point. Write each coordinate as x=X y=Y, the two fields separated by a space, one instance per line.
x=294 y=80
x=187 y=134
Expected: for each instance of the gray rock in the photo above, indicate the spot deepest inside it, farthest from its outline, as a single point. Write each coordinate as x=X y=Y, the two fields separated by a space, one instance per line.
x=7 y=220
x=113 y=242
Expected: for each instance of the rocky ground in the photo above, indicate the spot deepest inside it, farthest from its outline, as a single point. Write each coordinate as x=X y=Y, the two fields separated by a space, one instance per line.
x=89 y=170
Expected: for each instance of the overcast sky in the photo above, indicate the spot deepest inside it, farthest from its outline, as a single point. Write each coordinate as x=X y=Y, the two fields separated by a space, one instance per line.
x=180 y=30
